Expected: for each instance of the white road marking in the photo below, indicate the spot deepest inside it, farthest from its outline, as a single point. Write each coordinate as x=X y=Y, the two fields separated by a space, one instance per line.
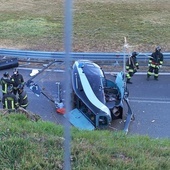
x=150 y=100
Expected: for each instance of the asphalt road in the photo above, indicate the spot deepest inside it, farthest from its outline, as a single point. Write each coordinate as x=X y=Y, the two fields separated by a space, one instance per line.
x=149 y=100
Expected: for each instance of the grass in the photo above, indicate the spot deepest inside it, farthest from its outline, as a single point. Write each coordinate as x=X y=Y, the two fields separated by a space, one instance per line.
x=98 y=25
x=25 y=144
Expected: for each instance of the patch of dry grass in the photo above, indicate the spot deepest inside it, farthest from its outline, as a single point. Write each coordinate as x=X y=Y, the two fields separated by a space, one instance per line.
x=98 y=25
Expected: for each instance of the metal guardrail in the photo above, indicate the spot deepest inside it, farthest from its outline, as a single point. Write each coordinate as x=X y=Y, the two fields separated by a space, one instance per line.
x=75 y=55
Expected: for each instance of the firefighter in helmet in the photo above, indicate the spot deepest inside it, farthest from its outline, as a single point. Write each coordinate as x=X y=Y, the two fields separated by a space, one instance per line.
x=155 y=63
x=131 y=66
x=5 y=82
x=9 y=100
x=22 y=97
x=17 y=79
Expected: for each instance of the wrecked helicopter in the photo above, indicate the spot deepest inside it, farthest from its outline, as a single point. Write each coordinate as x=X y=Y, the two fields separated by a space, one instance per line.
x=97 y=101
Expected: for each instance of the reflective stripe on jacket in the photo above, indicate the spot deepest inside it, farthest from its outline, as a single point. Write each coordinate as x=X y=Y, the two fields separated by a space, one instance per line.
x=23 y=99
x=5 y=82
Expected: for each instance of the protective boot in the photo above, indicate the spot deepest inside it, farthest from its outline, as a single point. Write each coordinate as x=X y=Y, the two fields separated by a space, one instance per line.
x=156 y=78
x=128 y=81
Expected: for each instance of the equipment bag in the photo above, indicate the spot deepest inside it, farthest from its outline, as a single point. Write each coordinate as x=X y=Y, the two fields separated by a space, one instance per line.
x=8 y=63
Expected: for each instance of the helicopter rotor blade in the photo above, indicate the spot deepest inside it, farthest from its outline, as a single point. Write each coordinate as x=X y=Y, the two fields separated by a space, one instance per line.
x=130 y=116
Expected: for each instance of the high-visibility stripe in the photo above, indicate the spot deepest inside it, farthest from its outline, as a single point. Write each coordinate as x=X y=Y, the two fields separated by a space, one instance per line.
x=131 y=70
x=5 y=89
x=6 y=104
x=25 y=97
x=152 y=65
x=24 y=105
x=128 y=76
x=150 y=73
x=12 y=103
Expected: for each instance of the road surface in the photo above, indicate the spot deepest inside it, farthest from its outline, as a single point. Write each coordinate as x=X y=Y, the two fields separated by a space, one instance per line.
x=149 y=100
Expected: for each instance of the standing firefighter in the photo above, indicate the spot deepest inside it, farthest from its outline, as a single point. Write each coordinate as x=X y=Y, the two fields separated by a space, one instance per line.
x=9 y=100
x=5 y=83
x=22 y=97
x=155 y=62
x=17 y=79
x=131 y=66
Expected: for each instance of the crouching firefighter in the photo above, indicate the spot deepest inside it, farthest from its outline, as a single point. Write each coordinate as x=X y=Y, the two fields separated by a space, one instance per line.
x=155 y=62
x=9 y=100
x=131 y=66
x=22 y=97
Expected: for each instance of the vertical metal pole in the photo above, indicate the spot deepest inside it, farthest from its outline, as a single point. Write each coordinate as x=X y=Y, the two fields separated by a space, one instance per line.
x=68 y=44
x=124 y=56
x=130 y=114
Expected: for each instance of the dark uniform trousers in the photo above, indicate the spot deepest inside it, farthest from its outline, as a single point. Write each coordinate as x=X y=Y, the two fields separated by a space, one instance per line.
x=23 y=99
x=10 y=102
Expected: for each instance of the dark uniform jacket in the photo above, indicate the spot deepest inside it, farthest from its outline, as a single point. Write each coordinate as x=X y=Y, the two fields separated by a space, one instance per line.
x=156 y=58
x=23 y=99
x=5 y=82
x=10 y=101
x=132 y=63
x=17 y=79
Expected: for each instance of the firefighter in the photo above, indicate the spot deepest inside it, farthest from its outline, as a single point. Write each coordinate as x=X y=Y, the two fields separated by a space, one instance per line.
x=5 y=83
x=22 y=97
x=17 y=79
x=155 y=63
x=131 y=66
x=9 y=100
